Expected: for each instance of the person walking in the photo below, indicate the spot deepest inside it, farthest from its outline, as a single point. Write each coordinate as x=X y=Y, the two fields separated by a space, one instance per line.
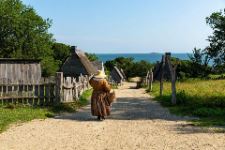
x=100 y=105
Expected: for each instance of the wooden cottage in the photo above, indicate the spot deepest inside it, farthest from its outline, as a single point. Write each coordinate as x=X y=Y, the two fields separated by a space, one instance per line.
x=77 y=63
x=116 y=76
x=19 y=71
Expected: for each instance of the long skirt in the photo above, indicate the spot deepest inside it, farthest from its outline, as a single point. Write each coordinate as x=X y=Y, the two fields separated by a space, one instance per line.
x=99 y=105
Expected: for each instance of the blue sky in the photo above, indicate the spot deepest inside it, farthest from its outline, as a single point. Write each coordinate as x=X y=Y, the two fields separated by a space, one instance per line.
x=129 y=26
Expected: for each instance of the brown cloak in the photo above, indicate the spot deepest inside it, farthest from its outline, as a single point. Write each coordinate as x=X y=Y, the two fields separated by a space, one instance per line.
x=99 y=104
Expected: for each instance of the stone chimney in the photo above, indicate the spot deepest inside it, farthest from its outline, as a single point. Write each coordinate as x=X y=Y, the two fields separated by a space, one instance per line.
x=73 y=49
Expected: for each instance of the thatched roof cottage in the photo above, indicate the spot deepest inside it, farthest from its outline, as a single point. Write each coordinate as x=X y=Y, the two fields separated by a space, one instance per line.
x=77 y=63
x=116 y=76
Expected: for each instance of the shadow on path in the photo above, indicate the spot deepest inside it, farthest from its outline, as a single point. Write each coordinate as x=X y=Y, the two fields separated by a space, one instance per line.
x=137 y=108
x=127 y=108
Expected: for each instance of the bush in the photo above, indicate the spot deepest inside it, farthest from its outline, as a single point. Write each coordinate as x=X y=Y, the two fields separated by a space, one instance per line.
x=130 y=67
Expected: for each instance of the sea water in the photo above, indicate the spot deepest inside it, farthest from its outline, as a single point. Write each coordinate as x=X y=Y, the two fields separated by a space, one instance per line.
x=150 y=57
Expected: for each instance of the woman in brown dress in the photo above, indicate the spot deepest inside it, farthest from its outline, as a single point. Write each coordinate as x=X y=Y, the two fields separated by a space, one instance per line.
x=99 y=105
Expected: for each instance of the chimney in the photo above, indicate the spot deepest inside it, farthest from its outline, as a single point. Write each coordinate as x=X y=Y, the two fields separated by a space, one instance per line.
x=168 y=53
x=73 y=49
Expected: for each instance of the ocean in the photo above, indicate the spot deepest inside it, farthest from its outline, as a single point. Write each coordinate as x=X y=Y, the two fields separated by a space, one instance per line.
x=150 y=57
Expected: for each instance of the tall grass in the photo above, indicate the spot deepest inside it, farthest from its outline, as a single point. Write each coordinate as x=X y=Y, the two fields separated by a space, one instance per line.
x=201 y=98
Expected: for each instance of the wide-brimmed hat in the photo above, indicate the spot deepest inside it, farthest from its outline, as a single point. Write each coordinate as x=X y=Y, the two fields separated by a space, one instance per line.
x=100 y=74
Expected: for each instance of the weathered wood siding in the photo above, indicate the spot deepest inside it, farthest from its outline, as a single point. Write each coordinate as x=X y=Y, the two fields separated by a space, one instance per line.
x=19 y=72
x=42 y=93
x=48 y=91
x=69 y=88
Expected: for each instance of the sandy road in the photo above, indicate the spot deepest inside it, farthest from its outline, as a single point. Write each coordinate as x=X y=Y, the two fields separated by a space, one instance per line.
x=136 y=123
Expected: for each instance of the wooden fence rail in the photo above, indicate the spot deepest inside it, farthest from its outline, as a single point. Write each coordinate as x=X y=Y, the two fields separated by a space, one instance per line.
x=25 y=93
x=46 y=92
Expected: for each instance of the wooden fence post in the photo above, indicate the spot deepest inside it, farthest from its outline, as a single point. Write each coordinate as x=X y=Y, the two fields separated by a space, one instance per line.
x=146 y=80
x=162 y=74
x=173 y=80
x=59 y=87
x=87 y=81
x=68 y=90
x=150 y=80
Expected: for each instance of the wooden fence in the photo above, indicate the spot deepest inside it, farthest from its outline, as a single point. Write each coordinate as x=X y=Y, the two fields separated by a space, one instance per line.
x=148 y=80
x=69 y=89
x=47 y=91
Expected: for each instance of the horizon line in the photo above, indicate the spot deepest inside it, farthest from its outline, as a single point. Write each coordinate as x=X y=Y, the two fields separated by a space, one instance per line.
x=143 y=53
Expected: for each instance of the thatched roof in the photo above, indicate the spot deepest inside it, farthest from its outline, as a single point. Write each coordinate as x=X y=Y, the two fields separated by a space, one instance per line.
x=122 y=72
x=116 y=75
x=157 y=71
x=77 y=63
x=118 y=72
x=84 y=60
x=97 y=65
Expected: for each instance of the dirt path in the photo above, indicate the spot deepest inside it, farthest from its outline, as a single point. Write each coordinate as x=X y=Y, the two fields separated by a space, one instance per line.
x=136 y=123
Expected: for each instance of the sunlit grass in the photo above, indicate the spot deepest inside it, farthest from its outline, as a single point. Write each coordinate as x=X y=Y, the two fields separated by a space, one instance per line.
x=18 y=113
x=202 y=98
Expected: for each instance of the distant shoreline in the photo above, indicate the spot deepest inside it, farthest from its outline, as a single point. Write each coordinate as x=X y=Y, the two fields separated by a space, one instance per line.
x=137 y=53
x=150 y=57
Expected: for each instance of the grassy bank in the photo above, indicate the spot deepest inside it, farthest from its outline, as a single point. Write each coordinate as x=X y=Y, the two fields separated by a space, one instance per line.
x=201 y=98
x=15 y=114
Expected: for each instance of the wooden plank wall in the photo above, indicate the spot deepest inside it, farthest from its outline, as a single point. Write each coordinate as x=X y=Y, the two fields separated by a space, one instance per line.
x=20 y=72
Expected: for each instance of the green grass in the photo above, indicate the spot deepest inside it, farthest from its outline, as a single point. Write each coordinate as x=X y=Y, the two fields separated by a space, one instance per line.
x=18 y=113
x=200 y=98
x=216 y=76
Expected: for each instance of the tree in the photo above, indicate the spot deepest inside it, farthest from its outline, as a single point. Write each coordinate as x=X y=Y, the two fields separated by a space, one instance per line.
x=216 y=49
x=140 y=68
x=24 y=34
x=129 y=66
x=92 y=57
x=197 y=55
x=110 y=64
x=60 y=52
x=196 y=68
